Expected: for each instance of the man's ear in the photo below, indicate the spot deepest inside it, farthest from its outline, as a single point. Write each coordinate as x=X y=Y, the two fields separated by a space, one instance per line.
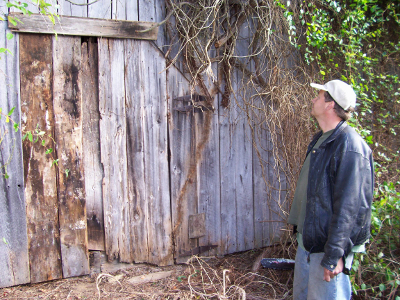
x=330 y=105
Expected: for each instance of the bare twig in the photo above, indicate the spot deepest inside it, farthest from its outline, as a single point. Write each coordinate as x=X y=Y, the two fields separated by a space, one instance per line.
x=82 y=4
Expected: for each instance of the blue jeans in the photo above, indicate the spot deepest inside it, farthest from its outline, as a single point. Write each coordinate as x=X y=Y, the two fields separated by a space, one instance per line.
x=309 y=284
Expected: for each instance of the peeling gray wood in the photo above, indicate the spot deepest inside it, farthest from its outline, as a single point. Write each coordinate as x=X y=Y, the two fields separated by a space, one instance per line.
x=183 y=163
x=237 y=228
x=113 y=149
x=14 y=262
x=91 y=145
x=39 y=174
x=137 y=192
x=197 y=226
x=125 y=10
x=67 y=90
x=124 y=200
x=244 y=151
x=261 y=166
x=156 y=156
x=100 y=9
x=64 y=25
x=228 y=195
x=154 y=11
x=67 y=8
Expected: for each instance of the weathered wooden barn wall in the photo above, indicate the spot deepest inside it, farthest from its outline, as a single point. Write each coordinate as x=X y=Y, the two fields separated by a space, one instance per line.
x=14 y=262
x=137 y=176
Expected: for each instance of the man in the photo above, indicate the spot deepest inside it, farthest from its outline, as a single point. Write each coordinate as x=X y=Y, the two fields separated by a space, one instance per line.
x=331 y=208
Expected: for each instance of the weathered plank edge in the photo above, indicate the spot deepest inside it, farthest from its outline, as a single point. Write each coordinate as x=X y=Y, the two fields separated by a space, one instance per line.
x=37 y=23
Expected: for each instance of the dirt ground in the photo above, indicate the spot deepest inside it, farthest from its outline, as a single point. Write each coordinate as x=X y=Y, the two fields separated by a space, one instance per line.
x=236 y=276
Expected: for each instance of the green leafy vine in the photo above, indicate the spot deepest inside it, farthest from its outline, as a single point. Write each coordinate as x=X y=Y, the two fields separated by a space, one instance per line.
x=358 y=41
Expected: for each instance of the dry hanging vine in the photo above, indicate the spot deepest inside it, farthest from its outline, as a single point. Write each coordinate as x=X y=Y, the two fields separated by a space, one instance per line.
x=243 y=48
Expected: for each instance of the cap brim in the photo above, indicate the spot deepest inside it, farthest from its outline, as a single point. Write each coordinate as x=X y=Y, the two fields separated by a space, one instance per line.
x=319 y=86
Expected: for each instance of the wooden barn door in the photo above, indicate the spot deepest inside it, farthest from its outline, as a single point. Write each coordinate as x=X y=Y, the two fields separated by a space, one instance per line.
x=101 y=107
x=134 y=152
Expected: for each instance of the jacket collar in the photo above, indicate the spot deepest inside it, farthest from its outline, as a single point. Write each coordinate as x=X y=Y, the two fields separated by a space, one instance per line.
x=339 y=128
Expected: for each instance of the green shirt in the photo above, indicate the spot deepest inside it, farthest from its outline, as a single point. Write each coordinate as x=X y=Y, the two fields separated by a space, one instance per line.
x=298 y=211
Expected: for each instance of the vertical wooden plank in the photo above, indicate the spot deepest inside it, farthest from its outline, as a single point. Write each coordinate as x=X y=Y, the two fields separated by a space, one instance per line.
x=132 y=11
x=261 y=165
x=91 y=145
x=244 y=176
x=67 y=8
x=125 y=10
x=269 y=189
x=113 y=149
x=260 y=174
x=153 y=11
x=67 y=89
x=137 y=193
x=243 y=166
x=237 y=223
x=14 y=262
x=156 y=156
x=183 y=171
x=228 y=176
x=207 y=139
x=40 y=175
x=101 y=9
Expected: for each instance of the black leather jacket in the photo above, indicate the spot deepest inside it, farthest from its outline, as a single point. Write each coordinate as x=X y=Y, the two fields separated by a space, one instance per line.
x=339 y=195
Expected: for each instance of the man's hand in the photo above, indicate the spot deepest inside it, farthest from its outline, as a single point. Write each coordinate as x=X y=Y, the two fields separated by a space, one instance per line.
x=339 y=269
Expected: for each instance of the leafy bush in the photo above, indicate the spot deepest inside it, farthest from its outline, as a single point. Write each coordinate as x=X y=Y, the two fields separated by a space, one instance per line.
x=376 y=273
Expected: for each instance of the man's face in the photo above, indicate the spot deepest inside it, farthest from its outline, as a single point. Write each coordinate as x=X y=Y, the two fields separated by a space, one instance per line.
x=319 y=104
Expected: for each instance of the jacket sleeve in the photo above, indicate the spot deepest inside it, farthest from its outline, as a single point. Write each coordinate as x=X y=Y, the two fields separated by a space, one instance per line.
x=351 y=179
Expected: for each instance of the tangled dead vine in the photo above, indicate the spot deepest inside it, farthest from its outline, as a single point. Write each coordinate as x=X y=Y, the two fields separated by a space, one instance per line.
x=243 y=49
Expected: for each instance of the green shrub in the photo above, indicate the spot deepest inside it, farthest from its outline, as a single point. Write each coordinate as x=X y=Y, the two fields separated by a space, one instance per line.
x=376 y=273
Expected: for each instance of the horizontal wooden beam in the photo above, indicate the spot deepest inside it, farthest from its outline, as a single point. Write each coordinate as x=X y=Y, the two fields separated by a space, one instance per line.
x=37 y=23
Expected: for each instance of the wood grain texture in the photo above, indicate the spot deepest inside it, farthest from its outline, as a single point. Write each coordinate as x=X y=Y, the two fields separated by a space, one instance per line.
x=183 y=170
x=154 y=11
x=261 y=166
x=14 y=262
x=243 y=167
x=237 y=227
x=113 y=149
x=125 y=10
x=143 y=200
x=156 y=156
x=35 y=23
x=276 y=196
x=40 y=176
x=208 y=173
x=66 y=8
x=228 y=193
x=67 y=89
x=91 y=145
x=137 y=192
x=100 y=9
